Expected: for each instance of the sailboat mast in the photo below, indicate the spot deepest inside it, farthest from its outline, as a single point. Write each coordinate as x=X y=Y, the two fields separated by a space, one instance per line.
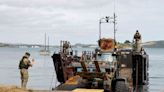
x=48 y=44
x=45 y=42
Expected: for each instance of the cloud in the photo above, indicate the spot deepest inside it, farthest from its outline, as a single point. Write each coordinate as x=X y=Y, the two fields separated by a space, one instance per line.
x=77 y=20
x=15 y=16
x=65 y=4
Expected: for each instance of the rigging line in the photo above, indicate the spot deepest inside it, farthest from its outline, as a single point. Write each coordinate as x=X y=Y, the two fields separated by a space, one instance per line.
x=137 y=76
x=52 y=81
x=114 y=6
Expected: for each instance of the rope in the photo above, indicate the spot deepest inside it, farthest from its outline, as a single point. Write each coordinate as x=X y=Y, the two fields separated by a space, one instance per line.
x=52 y=82
x=137 y=77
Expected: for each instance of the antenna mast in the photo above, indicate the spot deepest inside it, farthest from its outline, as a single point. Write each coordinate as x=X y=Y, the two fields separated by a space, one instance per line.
x=109 y=19
x=114 y=22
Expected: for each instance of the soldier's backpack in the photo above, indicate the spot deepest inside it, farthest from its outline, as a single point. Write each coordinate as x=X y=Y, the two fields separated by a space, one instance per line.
x=23 y=65
x=20 y=64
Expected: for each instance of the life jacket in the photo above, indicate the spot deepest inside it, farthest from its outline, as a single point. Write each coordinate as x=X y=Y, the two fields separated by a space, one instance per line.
x=23 y=65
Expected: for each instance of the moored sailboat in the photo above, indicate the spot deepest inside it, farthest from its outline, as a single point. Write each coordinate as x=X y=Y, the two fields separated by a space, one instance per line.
x=46 y=50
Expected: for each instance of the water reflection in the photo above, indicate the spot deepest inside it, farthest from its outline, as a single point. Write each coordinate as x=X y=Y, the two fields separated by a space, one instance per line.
x=141 y=88
x=42 y=73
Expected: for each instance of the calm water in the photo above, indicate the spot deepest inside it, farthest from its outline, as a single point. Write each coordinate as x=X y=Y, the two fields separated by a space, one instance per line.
x=42 y=74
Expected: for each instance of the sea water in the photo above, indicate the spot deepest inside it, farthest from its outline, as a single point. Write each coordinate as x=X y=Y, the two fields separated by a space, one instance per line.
x=42 y=75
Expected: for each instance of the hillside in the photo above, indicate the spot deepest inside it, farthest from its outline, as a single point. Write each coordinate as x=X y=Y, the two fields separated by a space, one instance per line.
x=19 y=45
x=150 y=44
x=154 y=44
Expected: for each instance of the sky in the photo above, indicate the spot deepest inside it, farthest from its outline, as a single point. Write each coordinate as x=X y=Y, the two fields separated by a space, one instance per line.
x=27 y=21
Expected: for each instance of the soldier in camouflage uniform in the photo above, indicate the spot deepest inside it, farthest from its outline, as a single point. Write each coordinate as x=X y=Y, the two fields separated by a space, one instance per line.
x=23 y=66
x=137 y=40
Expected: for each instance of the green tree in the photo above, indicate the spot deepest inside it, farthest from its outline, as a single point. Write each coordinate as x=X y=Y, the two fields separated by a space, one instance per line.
x=127 y=42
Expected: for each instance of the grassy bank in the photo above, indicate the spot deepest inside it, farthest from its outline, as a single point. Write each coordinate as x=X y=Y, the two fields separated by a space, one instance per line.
x=5 y=88
x=10 y=88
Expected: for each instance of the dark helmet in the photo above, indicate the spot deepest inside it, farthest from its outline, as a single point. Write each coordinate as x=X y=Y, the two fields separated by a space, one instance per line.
x=27 y=53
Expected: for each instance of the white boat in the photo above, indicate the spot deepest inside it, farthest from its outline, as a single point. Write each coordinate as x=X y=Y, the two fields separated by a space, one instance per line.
x=46 y=50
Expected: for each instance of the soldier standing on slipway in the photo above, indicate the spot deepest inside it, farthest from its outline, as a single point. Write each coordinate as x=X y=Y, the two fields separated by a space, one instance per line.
x=23 y=66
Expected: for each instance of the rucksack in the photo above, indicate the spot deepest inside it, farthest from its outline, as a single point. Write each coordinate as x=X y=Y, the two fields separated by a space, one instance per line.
x=23 y=65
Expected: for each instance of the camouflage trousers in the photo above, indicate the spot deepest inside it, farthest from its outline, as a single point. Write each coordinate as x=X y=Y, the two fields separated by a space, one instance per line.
x=24 y=77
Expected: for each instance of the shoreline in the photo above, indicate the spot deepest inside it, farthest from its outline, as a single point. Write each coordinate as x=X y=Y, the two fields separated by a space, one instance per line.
x=13 y=88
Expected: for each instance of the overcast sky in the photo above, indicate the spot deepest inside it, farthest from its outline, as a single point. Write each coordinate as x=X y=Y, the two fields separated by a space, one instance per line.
x=26 y=21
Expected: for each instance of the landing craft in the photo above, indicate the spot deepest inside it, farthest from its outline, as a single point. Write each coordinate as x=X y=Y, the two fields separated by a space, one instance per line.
x=107 y=69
